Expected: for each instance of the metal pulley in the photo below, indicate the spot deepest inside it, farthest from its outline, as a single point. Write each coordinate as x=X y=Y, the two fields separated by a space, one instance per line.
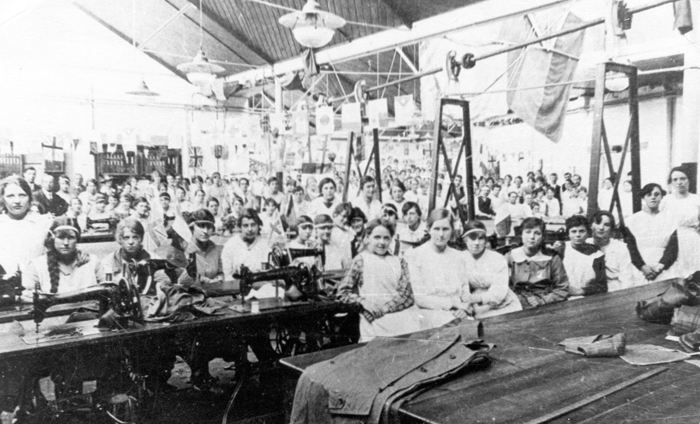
x=452 y=67
x=468 y=61
x=360 y=92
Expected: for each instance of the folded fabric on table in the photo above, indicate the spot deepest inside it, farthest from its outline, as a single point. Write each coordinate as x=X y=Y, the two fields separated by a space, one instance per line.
x=176 y=303
x=596 y=346
x=355 y=386
x=660 y=308
x=686 y=319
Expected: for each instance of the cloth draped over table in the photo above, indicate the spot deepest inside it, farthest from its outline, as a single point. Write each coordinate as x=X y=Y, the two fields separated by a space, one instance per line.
x=176 y=303
x=358 y=386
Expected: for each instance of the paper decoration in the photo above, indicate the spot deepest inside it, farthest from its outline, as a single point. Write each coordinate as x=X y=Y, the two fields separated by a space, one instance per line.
x=112 y=148
x=404 y=108
x=378 y=113
x=325 y=121
x=196 y=157
x=277 y=122
x=351 y=117
x=53 y=149
x=301 y=122
x=93 y=148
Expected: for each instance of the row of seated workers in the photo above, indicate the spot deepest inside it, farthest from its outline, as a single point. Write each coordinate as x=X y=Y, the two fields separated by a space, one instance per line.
x=450 y=273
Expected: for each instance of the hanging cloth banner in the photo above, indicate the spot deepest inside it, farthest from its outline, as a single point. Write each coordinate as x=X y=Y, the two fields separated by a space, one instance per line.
x=129 y=140
x=351 y=115
x=301 y=122
x=404 y=108
x=544 y=109
x=53 y=149
x=325 y=121
x=378 y=113
x=196 y=157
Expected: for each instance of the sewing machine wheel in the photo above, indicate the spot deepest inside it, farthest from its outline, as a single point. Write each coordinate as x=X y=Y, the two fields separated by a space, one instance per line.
x=278 y=258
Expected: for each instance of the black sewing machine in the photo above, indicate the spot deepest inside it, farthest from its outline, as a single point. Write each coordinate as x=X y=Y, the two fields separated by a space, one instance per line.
x=10 y=287
x=300 y=280
x=104 y=225
x=118 y=302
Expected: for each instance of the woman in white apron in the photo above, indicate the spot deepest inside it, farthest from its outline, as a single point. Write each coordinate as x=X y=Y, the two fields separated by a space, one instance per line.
x=683 y=208
x=380 y=283
x=652 y=240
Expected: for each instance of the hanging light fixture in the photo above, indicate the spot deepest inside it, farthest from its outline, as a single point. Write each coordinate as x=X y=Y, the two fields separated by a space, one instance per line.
x=312 y=27
x=200 y=72
x=141 y=89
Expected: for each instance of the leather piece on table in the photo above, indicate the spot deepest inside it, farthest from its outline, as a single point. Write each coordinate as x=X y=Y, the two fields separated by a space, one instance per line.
x=690 y=342
x=596 y=346
x=686 y=319
x=644 y=354
x=660 y=308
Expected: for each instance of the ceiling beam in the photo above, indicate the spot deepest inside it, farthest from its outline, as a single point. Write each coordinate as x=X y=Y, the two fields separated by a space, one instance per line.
x=128 y=39
x=486 y=12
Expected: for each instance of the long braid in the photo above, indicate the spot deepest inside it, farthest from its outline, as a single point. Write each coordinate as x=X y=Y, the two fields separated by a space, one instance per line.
x=54 y=270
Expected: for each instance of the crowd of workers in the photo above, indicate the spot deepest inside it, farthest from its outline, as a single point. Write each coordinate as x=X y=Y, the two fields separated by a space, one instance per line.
x=409 y=268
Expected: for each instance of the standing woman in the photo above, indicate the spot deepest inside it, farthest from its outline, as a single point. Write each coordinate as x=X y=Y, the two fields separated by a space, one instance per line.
x=379 y=282
x=22 y=233
x=487 y=275
x=536 y=277
x=439 y=274
x=683 y=207
x=652 y=239
x=63 y=268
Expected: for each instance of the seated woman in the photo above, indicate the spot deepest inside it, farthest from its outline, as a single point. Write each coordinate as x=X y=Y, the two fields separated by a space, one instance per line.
x=413 y=233
x=99 y=212
x=207 y=253
x=439 y=274
x=379 y=282
x=537 y=277
x=652 y=239
x=305 y=228
x=63 y=268
x=487 y=275
x=123 y=209
x=337 y=257
x=357 y=223
x=272 y=230
x=246 y=248
x=75 y=210
x=584 y=263
x=341 y=234
x=129 y=235
x=618 y=264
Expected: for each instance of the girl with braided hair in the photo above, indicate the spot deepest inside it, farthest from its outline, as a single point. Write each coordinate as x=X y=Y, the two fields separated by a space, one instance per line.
x=64 y=268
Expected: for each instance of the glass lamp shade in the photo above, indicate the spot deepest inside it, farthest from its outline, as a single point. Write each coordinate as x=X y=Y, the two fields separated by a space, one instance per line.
x=200 y=78
x=616 y=81
x=200 y=71
x=142 y=90
x=313 y=36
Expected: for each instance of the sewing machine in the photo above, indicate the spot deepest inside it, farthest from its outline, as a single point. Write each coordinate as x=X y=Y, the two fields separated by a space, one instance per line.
x=118 y=302
x=104 y=225
x=10 y=287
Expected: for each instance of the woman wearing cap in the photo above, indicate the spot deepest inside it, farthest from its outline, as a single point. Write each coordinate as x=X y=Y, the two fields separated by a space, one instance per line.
x=438 y=274
x=207 y=253
x=537 y=277
x=129 y=234
x=487 y=275
x=337 y=257
x=99 y=211
x=379 y=282
x=652 y=239
x=22 y=232
x=64 y=268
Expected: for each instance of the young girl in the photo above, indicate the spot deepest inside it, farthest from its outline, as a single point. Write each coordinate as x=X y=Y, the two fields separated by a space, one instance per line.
x=379 y=282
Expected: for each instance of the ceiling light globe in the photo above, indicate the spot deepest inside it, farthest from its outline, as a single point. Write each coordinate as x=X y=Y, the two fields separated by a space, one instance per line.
x=313 y=36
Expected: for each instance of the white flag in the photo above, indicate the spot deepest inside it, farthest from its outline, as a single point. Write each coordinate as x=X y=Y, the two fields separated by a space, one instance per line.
x=404 y=108
x=352 y=117
x=325 y=121
x=378 y=113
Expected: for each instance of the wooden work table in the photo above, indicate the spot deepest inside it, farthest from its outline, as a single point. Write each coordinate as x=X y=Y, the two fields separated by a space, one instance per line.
x=531 y=376
x=12 y=345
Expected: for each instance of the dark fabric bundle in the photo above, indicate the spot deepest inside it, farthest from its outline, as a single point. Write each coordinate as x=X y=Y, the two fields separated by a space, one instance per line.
x=176 y=303
x=680 y=292
x=357 y=386
x=691 y=342
x=686 y=319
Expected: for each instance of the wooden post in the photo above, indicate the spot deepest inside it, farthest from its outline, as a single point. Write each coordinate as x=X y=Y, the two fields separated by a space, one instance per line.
x=348 y=164
x=377 y=164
